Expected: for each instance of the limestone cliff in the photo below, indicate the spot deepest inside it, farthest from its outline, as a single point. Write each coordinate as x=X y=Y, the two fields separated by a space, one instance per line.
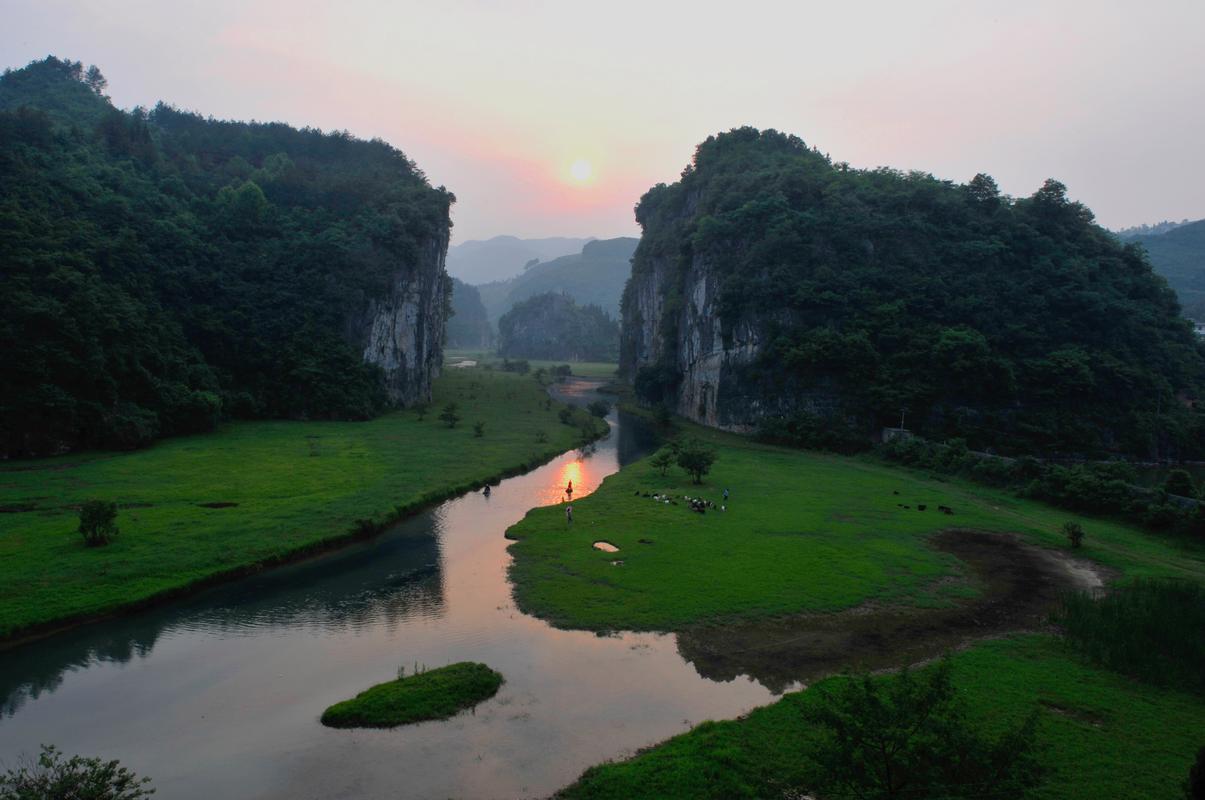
x=403 y=331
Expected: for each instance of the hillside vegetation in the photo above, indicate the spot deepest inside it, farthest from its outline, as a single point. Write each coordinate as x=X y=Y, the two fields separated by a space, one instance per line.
x=163 y=270
x=595 y=276
x=847 y=296
x=553 y=326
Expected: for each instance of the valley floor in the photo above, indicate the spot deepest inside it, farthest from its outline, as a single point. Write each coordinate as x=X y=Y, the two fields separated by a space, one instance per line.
x=254 y=493
x=821 y=563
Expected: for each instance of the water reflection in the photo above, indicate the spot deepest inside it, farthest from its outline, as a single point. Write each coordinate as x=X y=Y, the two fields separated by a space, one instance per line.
x=218 y=696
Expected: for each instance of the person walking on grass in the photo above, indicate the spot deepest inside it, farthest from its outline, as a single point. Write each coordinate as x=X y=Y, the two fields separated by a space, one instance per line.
x=568 y=515
x=725 y=495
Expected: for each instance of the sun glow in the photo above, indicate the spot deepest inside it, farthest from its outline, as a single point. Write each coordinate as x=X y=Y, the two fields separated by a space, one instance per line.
x=581 y=170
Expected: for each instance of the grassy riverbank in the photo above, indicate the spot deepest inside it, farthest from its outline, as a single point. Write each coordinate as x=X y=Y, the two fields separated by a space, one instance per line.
x=433 y=694
x=803 y=532
x=196 y=508
x=582 y=369
x=1101 y=735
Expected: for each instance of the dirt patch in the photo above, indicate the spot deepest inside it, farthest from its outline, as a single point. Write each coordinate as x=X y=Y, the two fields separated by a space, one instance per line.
x=1018 y=582
x=217 y=505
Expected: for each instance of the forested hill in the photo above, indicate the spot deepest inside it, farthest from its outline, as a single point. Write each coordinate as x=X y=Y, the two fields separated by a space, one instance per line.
x=1179 y=255
x=774 y=289
x=162 y=270
x=595 y=276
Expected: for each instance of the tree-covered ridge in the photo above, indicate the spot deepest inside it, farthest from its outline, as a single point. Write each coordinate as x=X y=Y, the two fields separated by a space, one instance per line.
x=161 y=269
x=1179 y=256
x=469 y=327
x=553 y=326
x=1017 y=323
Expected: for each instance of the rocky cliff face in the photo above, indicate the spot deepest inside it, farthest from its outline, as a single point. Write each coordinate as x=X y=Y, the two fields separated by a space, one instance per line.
x=403 y=332
x=711 y=372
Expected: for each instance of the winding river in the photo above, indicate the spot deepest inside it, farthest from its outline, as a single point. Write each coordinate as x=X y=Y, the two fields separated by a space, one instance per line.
x=219 y=695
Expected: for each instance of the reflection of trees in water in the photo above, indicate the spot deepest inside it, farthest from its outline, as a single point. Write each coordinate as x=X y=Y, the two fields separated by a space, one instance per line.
x=636 y=439
x=381 y=583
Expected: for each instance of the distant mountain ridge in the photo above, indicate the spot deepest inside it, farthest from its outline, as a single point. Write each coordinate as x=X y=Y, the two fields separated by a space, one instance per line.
x=503 y=257
x=1179 y=256
x=595 y=276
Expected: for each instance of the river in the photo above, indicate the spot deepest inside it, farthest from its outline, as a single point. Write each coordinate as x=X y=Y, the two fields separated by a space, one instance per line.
x=219 y=695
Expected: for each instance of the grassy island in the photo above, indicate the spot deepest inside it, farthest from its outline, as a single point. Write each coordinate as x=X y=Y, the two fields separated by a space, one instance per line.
x=196 y=508
x=434 y=694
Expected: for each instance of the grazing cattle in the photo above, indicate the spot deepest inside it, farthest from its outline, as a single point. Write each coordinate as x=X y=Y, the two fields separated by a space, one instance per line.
x=945 y=509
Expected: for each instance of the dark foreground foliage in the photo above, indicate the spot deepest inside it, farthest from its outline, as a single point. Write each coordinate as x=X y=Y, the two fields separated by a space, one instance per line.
x=55 y=777
x=434 y=694
x=1149 y=629
x=912 y=737
x=161 y=270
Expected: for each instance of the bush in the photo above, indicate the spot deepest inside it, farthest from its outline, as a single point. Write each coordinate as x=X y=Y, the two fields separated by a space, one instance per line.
x=52 y=777
x=478 y=430
x=565 y=415
x=449 y=415
x=98 y=522
x=599 y=408
x=1179 y=482
x=1149 y=629
x=909 y=737
x=1074 y=533
x=814 y=432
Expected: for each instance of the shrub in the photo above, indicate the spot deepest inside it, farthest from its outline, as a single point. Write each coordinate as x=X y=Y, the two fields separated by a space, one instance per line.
x=449 y=415
x=565 y=415
x=54 y=777
x=98 y=522
x=662 y=415
x=478 y=430
x=1179 y=482
x=905 y=736
x=599 y=408
x=1074 y=533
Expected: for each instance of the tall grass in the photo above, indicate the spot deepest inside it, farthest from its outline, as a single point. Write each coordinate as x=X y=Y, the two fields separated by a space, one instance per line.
x=1149 y=629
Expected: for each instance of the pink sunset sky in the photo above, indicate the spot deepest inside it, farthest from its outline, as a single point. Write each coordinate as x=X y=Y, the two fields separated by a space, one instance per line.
x=498 y=100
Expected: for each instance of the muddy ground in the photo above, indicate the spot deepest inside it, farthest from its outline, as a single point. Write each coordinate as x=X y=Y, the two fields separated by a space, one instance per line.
x=1019 y=584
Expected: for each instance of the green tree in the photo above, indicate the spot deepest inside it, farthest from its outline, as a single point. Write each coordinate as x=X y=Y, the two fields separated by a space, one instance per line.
x=95 y=80
x=1074 y=533
x=98 y=522
x=54 y=777
x=911 y=737
x=1179 y=482
x=696 y=458
x=662 y=461
x=599 y=408
x=449 y=415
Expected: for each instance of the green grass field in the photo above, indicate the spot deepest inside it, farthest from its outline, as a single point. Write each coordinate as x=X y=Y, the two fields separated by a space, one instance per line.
x=433 y=694
x=1100 y=735
x=582 y=369
x=804 y=531
x=295 y=486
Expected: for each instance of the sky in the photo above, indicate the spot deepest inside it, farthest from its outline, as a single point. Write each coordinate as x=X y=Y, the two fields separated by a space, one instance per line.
x=552 y=118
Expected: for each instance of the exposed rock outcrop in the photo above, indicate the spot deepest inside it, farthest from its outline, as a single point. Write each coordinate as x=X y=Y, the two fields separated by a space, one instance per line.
x=403 y=333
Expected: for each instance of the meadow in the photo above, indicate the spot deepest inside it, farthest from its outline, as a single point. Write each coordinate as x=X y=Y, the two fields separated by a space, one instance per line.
x=803 y=532
x=1099 y=734
x=193 y=509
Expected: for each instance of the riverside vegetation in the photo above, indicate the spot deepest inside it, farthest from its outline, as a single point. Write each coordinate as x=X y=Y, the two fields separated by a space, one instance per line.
x=253 y=493
x=424 y=695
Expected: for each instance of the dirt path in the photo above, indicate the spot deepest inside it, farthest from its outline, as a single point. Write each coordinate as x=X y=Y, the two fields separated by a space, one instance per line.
x=1019 y=584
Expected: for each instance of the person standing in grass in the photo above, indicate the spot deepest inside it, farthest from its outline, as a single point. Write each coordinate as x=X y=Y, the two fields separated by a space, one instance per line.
x=725 y=495
x=568 y=515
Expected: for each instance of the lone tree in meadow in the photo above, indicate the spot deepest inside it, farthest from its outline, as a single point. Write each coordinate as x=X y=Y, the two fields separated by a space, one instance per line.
x=449 y=415
x=911 y=736
x=1074 y=533
x=696 y=458
x=662 y=461
x=98 y=522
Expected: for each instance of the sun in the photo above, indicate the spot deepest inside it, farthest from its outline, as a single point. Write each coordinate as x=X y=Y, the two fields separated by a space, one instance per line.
x=581 y=170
